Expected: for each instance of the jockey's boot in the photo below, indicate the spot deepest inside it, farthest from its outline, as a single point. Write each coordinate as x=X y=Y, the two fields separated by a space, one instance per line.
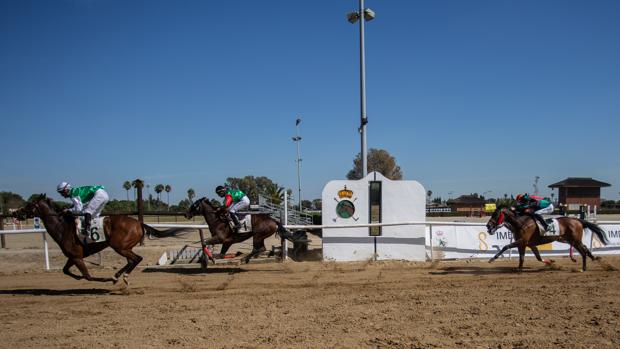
x=541 y=220
x=235 y=220
x=87 y=218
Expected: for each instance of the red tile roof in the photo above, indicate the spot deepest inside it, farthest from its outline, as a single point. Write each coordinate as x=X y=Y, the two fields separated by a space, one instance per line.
x=579 y=182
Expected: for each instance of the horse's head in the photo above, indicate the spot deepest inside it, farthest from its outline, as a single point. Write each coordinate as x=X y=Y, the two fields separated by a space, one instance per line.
x=498 y=218
x=32 y=208
x=199 y=207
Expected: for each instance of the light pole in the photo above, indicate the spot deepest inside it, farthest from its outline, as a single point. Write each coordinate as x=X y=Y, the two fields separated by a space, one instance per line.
x=363 y=15
x=297 y=139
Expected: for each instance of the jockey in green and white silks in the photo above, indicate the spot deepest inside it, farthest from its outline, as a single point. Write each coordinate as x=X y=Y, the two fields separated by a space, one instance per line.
x=534 y=206
x=235 y=200
x=88 y=200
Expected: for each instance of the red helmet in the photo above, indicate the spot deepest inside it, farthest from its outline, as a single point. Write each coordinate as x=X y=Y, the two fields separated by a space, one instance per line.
x=519 y=197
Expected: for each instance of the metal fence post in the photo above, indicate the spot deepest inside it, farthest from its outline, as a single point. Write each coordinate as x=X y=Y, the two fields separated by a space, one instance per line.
x=47 y=255
x=430 y=226
x=3 y=242
x=284 y=241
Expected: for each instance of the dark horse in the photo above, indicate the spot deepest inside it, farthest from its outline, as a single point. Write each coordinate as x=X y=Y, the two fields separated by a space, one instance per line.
x=527 y=234
x=263 y=226
x=122 y=233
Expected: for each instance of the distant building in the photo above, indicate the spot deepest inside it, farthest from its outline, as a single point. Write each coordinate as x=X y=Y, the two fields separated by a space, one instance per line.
x=472 y=204
x=576 y=191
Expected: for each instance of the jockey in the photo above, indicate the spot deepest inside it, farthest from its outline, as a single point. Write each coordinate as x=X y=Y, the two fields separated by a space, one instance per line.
x=234 y=200
x=535 y=207
x=88 y=200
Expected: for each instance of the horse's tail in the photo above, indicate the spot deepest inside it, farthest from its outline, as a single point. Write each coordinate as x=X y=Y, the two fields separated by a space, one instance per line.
x=596 y=230
x=162 y=233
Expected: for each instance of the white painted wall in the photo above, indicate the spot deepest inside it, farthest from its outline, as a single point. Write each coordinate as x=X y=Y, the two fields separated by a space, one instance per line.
x=402 y=201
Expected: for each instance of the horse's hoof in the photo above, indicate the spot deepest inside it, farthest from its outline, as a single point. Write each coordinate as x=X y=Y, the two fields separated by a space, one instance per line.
x=598 y=258
x=491 y=260
x=114 y=280
x=126 y=279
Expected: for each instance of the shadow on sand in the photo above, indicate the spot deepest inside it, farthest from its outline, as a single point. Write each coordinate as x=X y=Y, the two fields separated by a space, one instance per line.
x=194 y=271
x=486 y=271
x=49 y=292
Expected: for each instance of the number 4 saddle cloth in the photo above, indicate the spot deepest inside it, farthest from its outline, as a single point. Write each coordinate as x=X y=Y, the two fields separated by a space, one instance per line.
x=95 y=233
x=553 y=227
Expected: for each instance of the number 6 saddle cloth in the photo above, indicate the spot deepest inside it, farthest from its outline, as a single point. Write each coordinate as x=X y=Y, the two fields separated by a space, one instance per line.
x=95 y=233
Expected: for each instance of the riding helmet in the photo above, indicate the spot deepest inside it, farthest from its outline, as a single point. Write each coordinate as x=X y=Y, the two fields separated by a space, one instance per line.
x=62 y=186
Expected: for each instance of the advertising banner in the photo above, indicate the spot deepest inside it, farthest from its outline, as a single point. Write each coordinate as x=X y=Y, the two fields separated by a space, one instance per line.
x=456 y=242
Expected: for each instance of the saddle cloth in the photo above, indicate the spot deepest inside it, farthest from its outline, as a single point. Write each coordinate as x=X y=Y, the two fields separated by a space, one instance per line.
x=95 y=233
x=246 y=223
x=553 y=228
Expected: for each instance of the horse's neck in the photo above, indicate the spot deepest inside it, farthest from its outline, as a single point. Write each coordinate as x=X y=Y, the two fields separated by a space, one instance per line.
x=211 y=217
x=516 y=222
x=53 y=224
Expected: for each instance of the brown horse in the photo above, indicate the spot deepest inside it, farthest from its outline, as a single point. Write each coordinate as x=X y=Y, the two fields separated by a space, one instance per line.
x=527 y=234
x=263 y=226
x=122 y=233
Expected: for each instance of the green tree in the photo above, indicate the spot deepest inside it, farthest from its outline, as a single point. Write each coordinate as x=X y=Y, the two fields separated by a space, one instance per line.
x=10 y=200
x=182 y=206
x=255 y=186
x=127 y=186
x=274 y=193
x=379 y=160
x=318 y=204
x=306 y=204
x=190 y=195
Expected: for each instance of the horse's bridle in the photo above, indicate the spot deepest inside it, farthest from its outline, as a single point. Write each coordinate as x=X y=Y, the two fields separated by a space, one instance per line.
x=499 y=222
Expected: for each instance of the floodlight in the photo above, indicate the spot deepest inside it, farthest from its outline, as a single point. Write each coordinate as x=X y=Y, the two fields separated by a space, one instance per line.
x=369 y=14
x=353 y=17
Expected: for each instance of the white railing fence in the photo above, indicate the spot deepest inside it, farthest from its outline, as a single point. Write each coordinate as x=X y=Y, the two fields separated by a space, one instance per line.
x=43 y=233
x=431 y=225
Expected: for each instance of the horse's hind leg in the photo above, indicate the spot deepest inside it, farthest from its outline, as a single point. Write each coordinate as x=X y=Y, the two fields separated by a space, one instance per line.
x=258 y=247
x=67 y=270
x=583 y=251
x=79 y=263
x=132 y=261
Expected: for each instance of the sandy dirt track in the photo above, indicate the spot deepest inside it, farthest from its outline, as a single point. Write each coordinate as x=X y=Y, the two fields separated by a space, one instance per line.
x=468 y=304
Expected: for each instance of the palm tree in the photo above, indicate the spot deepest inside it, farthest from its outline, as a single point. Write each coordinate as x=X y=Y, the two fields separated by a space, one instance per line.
x=127 y=186
x=158 y=189
x=274 y=193
x=168 y=189
x=138 y=183
x=191 y=194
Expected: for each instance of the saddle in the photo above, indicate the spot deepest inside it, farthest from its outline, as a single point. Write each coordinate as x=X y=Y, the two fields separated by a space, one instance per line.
x=245 y=221
x=95 y=233
x=553 y=227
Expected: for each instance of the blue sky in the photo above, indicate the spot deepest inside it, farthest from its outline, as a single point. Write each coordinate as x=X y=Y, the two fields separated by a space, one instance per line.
x=469 y=96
